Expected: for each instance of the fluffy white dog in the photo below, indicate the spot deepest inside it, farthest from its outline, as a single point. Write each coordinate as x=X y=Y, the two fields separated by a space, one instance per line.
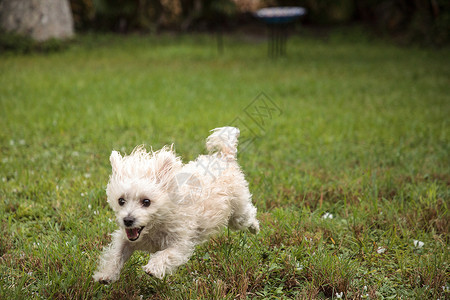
x=167 y=208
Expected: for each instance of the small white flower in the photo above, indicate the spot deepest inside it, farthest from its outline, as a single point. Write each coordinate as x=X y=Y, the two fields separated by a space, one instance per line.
x=89 y=206
x=87 y=175
x=30 y=273
x=339 y=295
x=327 y=215
x=380 y=250
x=95 y=212
x=418 y=244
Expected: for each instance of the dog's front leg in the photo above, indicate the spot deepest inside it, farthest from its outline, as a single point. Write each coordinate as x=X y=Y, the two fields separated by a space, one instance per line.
x=166 y=261
x=113 y=258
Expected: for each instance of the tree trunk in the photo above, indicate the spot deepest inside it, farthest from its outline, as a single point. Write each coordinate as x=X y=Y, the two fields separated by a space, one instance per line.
x=39 y=19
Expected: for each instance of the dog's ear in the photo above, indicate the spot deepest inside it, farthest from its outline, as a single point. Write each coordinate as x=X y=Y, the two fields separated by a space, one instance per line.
x=116 y=160
x=166 y=165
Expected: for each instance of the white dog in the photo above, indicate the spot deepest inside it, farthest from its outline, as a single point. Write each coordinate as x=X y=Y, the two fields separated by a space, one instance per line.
x=167 y=208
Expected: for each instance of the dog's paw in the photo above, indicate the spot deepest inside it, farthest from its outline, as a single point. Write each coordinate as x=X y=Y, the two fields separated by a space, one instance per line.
x=103 y=279
x=254 y=228
x=152 y=271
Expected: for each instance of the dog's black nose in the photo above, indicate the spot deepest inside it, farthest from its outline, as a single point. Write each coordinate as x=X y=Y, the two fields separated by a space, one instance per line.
x=128 y=221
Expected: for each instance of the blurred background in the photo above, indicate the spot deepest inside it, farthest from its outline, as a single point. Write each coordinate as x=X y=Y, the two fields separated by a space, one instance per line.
x=406 y=21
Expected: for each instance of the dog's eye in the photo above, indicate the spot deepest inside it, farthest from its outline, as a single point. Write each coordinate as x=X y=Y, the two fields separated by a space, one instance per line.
x=121 y=201
x=146 y=202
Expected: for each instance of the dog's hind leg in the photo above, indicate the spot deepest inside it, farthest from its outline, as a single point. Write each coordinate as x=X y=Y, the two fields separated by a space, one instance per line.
x=244 y=213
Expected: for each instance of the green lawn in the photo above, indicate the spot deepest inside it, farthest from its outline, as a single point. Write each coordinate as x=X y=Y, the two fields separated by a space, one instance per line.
x=355 y=127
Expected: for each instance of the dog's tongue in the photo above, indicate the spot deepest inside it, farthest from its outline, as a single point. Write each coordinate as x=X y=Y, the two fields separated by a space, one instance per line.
x=133 y=233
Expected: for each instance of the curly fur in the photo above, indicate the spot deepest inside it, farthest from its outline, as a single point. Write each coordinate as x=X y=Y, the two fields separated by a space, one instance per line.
x=188 y=203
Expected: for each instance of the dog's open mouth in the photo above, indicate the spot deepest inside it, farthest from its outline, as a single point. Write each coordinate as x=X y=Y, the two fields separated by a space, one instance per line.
x=133 y=233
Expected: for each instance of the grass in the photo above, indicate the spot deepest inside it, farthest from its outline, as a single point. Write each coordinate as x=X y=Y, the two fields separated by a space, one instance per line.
x=358 y=129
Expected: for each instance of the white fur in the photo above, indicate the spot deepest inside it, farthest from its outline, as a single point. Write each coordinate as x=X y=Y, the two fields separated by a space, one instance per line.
x=188 y=203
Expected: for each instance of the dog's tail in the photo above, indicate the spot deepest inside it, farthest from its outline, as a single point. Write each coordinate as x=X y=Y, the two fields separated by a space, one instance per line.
x=223 y=140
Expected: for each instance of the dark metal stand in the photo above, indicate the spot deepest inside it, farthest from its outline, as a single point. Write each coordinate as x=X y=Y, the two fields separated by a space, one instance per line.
x=220 y=41
x=277 y=39
x=278 y=20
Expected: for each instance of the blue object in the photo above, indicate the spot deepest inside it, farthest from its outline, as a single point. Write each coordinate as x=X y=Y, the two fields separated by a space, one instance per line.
x=278 y=19
x=280 y=15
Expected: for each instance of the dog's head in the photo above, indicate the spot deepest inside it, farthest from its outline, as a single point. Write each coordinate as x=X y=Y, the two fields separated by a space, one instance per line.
x=141 y=187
